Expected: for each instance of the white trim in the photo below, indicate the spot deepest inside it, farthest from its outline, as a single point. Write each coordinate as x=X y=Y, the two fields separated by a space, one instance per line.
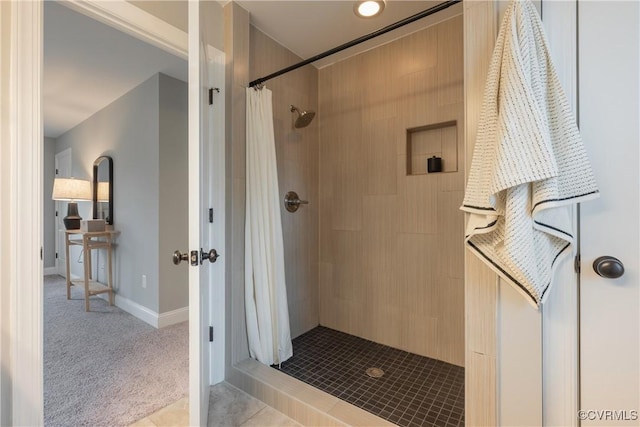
x=6 y=201
x=48 y=271
x=173 y=317
x=136 y=310
x=217 y=159
x=25 y=214
x=147 y=315
x=22 y=226
x=560 y=311
x=136 y=22
x=198 y=351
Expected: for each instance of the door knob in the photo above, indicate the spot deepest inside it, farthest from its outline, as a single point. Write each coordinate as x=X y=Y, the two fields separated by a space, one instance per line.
x=608 y=266
x=178 y=257
x=212 y=255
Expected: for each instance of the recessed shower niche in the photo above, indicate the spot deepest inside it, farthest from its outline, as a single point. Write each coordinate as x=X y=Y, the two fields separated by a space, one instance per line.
x=424 y=142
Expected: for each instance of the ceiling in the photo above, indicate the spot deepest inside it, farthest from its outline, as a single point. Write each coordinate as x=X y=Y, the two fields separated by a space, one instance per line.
x=88 y=65
x=308 y=28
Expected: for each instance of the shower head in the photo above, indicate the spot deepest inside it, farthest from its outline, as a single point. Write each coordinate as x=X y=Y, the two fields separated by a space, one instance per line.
x=304 y=117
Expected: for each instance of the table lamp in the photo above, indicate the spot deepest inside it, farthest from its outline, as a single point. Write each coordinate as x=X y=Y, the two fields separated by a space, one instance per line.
x=71 y=190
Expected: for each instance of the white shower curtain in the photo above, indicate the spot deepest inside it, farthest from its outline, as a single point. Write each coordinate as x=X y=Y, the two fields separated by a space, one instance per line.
x=265 y=290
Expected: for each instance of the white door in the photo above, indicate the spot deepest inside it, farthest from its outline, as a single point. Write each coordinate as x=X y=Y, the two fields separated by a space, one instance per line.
x=609 y=308
x=63 y=170
x=217 y=193
x=199 y=229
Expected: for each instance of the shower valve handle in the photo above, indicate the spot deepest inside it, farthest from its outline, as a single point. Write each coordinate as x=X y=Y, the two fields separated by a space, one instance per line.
x=292 y=202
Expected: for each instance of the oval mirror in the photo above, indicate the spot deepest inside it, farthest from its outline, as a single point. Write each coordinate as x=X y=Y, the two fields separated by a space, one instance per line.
x=103 y=189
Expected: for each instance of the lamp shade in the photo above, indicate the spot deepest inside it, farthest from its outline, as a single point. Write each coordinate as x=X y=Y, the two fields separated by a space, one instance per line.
x=71 y=189
x=103 y=192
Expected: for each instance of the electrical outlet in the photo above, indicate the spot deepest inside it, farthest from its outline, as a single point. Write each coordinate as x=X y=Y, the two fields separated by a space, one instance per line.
x=144 y=281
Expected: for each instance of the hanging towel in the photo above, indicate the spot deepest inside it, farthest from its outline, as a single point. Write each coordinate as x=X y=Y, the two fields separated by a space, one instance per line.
x=529 y=164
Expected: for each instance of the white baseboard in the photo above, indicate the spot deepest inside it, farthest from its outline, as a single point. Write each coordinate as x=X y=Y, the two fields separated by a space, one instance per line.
x=149 y=316
x=173 y=317
x=50 y=270
x=135 y=309
x=154 y=319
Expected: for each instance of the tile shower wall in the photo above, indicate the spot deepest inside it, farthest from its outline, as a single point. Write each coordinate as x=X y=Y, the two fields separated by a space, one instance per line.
x=391 y=245
x=297 y=156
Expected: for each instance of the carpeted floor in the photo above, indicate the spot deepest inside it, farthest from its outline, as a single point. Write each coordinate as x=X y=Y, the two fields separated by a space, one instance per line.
x=106 y=367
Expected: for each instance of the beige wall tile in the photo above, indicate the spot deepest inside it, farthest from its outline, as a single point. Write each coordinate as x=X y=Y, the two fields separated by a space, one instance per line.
x=480 y=392
x=450 y=61
x=419 y=52
x=378 y=160
x=390 y=243
x=270 y=417
x=237 y=57
x=480 y=28
x=346 y=203
x=354 y=416
x=298 y=170
x=300 y=401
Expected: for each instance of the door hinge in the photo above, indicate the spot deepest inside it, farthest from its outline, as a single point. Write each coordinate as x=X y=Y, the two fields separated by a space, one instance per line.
x=211 y=90
x=57 y=172
x=56 y=255
x=576 y=264
x=210 y=333
x=210 y=215
x=41 y=253
x=56 y=213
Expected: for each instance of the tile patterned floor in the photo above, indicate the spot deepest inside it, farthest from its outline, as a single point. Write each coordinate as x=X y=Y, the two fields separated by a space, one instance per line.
x=414 y=391
x=228 y=407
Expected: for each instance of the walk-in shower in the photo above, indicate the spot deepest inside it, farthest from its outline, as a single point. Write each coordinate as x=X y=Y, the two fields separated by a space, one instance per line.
x=375 y=262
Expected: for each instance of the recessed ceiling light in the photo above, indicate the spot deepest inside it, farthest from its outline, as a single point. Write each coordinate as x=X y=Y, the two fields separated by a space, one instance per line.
x=369 y=8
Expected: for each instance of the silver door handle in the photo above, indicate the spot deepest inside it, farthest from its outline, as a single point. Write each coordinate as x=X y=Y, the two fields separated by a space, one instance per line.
x=608 y=267
x=178 y=257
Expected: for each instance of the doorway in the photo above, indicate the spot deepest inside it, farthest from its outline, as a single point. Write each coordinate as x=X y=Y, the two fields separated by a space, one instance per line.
x=126 y=100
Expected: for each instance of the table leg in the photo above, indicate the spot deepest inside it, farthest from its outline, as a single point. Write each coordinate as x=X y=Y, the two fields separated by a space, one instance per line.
x=87 y=272
x=66 y=258
x=110 y=283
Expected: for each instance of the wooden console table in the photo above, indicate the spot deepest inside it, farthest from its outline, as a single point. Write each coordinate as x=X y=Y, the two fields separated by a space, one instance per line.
x=89 y=241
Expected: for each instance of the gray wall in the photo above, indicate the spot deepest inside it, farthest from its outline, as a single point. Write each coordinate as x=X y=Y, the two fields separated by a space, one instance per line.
x=48 y=205
x=173 y=192
x=128 y=130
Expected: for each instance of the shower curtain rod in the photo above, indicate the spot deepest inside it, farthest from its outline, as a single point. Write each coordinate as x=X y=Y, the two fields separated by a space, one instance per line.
x=405 y=21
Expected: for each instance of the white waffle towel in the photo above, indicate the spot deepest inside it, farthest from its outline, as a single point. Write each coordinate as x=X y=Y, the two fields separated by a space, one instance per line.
x=529 y=164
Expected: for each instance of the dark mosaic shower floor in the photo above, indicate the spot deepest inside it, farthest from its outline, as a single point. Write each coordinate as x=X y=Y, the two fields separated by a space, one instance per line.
x=414 y=391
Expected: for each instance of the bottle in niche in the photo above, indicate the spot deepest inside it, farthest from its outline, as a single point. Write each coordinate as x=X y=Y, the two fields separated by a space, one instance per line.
x=434 y=164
